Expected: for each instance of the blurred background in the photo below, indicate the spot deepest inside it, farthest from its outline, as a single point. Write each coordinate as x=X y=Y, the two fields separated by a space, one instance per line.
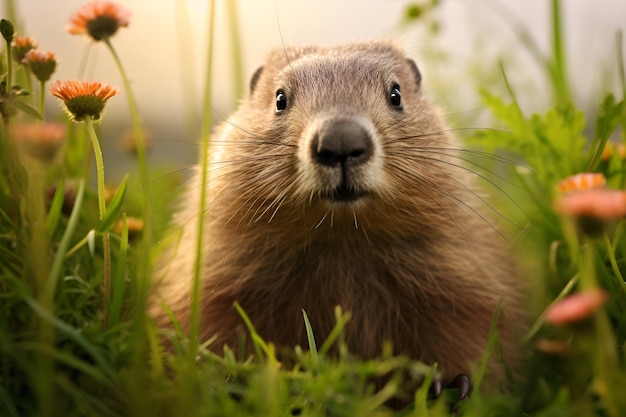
x=458 y=46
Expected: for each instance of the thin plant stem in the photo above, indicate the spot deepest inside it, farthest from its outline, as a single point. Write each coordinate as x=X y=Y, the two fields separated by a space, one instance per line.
x=9 y=78
x=238 y=75
x=10 y=11
x=187 y=75
x=28 y=82
x=619 y=42
x=99 y=164
x=37 y=268
x=15 y=171
x=76 y=247
x=101 y=207
x=532 y=331
x=204 y=156
x=559 y=67
x=145 y=256
x=11 y=154
x=586 y=267
x=82 y=67
x=42 y=97
x=613 y=261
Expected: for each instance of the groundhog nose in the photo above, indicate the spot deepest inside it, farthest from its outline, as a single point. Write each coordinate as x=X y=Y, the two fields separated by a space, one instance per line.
x=341 y=142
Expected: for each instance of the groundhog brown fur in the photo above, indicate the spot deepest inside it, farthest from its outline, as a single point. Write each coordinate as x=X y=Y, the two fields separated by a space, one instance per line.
x=337 y=183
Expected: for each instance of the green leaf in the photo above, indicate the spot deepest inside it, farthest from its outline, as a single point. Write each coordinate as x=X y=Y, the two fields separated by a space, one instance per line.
x=57 y=263
x=608 y=119
x=91 y=241
x=67 y=358
x=609 y=116
x=259 y=344
x=114 y=208
x=559 y=133
x=75 y=335
x=26 y=109
x=342 y=319
x=54 y=213
x=309 y=335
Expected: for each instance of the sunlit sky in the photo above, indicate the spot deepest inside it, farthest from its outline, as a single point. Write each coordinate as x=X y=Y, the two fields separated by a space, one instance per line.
x=164 y=48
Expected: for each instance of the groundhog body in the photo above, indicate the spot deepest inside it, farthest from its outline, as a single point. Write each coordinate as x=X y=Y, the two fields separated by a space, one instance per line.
x=337 y=183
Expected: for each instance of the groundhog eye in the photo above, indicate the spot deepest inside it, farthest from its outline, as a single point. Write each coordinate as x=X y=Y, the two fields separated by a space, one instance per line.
x=394 y=97
x=281 y=101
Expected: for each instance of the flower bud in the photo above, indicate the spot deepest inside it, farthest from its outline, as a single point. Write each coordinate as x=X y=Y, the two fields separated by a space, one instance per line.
x=41 y=63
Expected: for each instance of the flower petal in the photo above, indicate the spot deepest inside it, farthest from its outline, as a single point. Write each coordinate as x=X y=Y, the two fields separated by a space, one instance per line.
x=576 y=307
x=581 y=182
x=99 y=19
x=600 y=204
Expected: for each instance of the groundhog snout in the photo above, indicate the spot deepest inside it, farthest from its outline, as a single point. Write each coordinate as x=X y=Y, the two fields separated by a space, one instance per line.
x=342 y=143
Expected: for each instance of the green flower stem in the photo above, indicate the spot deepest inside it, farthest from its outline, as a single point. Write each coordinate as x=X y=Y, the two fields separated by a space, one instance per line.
x=77 y=246
x=622 y=78
x=15 y=171
x=145 y=257
x=9 y=68
x=622 y=74
x=11 y=154
x=588 y=278
x=101 y=206
x=42 y=96
x=28 y=82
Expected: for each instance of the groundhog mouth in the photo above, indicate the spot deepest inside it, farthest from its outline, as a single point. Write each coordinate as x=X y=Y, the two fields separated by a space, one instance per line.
x=345 y=194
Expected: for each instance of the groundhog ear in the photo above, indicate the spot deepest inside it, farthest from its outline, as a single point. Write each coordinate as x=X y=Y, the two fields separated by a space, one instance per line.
x=415 y=71
x=255 y=79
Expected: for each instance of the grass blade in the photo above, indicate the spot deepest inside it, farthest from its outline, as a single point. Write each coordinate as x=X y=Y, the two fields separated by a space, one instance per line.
x=310 y=336
x=117 y=280
x=57 y=263
x=54 y=213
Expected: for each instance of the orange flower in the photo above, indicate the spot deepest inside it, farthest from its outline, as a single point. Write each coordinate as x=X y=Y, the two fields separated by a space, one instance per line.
x=581 y=182
x=41 y=63
x=576 y=307
x=599 y=204
x=607 y=152
x=40 y=141
x=98 y=19
x=135 y=226
x=21 y=45
x=83 y=98
x=551 y=347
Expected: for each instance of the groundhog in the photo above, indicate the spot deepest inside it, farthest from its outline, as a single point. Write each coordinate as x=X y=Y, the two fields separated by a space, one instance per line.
x=337 y=183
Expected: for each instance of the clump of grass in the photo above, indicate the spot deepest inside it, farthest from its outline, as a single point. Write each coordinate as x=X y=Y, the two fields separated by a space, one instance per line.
x=73 y=343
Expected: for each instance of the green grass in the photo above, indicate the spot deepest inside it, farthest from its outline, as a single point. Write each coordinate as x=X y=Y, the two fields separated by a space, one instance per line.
x=73 y=345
